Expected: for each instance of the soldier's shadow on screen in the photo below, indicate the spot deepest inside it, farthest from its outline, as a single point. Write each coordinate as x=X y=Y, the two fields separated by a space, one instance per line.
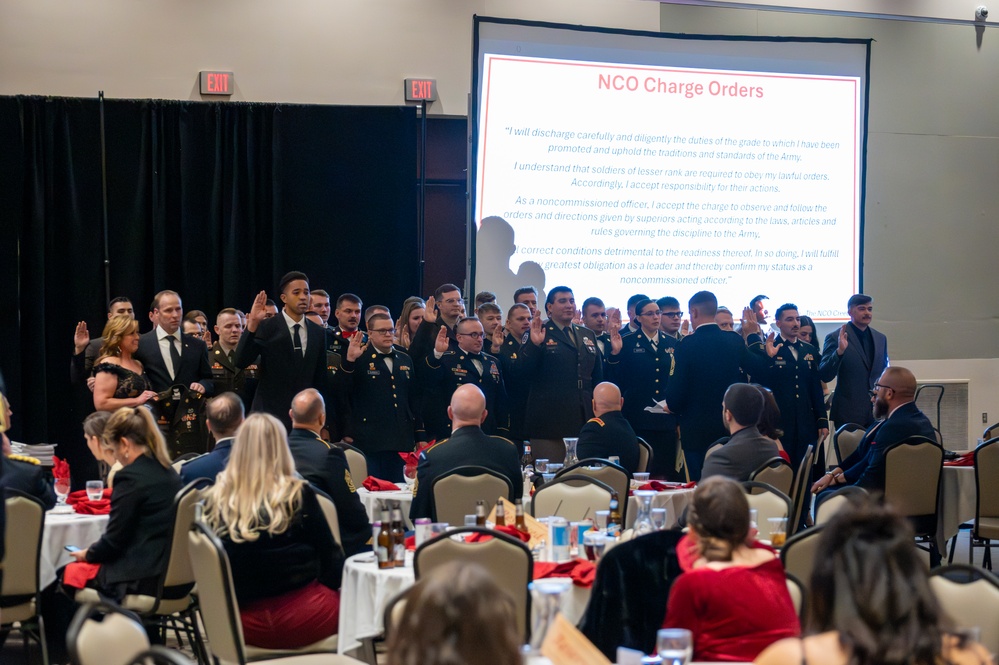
x=494 y=247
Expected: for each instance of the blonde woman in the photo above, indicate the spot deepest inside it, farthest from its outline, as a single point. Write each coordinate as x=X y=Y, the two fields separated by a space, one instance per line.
x=119 y=380
x=103 y=452
x=286 y=565
x=134 y=549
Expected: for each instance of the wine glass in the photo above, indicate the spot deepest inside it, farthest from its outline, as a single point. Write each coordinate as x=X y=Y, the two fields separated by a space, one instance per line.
x=62 y=490
x=659 y=518
x=675 y=646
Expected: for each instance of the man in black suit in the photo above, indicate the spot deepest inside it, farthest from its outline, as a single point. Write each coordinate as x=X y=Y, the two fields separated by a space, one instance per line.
x=855 y=356
x=562 y=363
x=746 y=449
x=707 y=363
x=224 y=414
x=325 y=466
x=468 y=445
x=377 y=378
x=290 y=348
x=169 y=358
x=225 y=375
x=608 y=434
x=643 y=367
x=893 y=396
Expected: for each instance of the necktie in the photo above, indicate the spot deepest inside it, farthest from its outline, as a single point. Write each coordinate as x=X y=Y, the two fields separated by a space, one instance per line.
x=174 y=356
x=297 y=338
x=230 y=356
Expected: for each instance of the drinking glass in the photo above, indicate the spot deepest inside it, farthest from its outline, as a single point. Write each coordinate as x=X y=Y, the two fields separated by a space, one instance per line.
x=675 y=646
x=643 y=522
x=602 y=516
x=541 y=465
x=570 y=450
x=95 y=490
x=659 y=518
x=548 y=477
x=593 y=544
x=469 y=520
x=778 y=530
x=640 y=478
x=61 y=490
x=555 y=467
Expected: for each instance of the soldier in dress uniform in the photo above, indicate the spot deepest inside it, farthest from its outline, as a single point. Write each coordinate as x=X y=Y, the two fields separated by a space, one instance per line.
x=227 y=377
x=20 y=472
x=608 y=433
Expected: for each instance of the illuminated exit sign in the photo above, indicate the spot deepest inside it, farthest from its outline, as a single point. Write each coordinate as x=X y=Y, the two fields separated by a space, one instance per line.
x=421 y=90
x=217 y=83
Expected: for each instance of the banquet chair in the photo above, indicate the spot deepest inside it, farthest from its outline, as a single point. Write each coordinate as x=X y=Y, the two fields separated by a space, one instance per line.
x=160 y=655
x=181 y=460
x=846 y=440
x=798 y=557
x=712 y=449
x=912 y=486
x=645 y=455
x=990 y=432
x=330 y=513
x=454 y=494
x=768 y=502
x=508 y=561
x=607 y=472
x=357 y=463
x=829 y=503
x=220 y=611
x=986 y=526
x=20 y=594
x=575 y=497
x=800 y=494
x=393 y=614
x=105 y=634
x=552 y=450
x=970 y=597
x=776 y=473
x=173 y=607
x=796 y=590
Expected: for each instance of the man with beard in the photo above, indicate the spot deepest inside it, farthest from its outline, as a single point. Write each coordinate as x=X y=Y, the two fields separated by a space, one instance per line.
x=897 y=419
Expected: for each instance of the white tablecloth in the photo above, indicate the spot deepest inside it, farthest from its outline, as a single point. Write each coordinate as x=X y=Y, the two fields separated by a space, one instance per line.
x=63 y=530
x=957 y=502
x=371 y=499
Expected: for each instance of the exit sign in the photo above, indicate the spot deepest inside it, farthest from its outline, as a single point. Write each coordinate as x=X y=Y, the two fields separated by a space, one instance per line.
x=217 y=83
x=421 y=90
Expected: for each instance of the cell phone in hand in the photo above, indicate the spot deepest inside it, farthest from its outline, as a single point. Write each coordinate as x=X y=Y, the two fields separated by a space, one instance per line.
x=72 y=548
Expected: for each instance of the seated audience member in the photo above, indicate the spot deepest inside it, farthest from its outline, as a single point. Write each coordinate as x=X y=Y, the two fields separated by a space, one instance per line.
x=22 y=473
x=456 y=615
x=897 y=418
x=746 y=449
x=871 y=603
x=224 y=414
x=608 y=433
x=325 y=466
x=734 y=598
x=120 y=380
x=769 y=425
x=468 y=445
x=286 y=566
x=103 y=452
x=135 y=547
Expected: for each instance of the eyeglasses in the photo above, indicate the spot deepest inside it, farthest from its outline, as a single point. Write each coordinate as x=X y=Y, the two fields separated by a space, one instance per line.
x=473 y=335
x=454 y=301
x=382 y=331
x=673 y=315
x=877 y=386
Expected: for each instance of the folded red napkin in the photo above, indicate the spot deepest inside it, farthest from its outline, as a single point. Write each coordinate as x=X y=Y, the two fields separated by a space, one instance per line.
x=99 y=507
x=410 y=543
x=680 y=486
x=373 y=484
x=581 y=571
x=967 y=459
x=413 y=458
x=60 y=468
x=78 y=573
x=81 y=495
x=508 y=530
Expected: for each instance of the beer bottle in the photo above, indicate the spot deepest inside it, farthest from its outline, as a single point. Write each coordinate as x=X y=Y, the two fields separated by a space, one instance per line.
x=614 y=521
x=500 y=513
x=527 y=461
x=480 y=513
x=383 y=546
x=398 y=538
x=519 y=520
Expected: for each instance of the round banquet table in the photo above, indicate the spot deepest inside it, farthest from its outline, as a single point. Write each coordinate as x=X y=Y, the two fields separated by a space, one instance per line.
x=674 y=501
x=62 y=529
x=371 y=499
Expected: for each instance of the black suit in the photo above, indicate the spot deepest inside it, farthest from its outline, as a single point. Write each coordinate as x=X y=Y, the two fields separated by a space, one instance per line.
x=469 y=445
x=744 y=452
x=609 y=435
x=194 y=366
x=456 y=368
x=866 y=466
x=325 y=466
x=855 y=375
x=26 y=477
x=136 y=543
x=283 y=371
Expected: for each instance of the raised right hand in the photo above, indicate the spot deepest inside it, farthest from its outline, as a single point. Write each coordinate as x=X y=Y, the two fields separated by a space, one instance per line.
x=537 y=332
x=771 y=349
x=441 y=344
x=355 y=348
x=257 y=312
x=430 y=313
x=81 y=337
x=844 y=341
x=497 y=339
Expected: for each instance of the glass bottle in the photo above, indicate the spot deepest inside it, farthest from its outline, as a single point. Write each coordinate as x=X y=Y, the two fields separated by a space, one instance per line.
x=643 y=522
x=383 y=548
x=480 y=513
x=500 y=512
x=398 y=538
x=519 y=521
x=614 y=521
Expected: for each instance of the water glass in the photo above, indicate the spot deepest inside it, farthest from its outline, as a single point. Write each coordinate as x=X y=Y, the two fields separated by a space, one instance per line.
x=548 y=477
x=602 y=516
x=778 y=530
x=675 y=646
x=555 y=467
x=541 y=465
x=469 y=520
x=95 y=490
x=659 y=518
x=61 y=490
x=640 y=478
x=593 y=545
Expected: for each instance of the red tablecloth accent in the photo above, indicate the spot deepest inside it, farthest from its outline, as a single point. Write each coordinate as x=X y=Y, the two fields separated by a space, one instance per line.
x=581 y=571
x=967 y=459
x=508 y=530
x=373 y=484
x=81 y=495
x=78 y=573
x=660 y=486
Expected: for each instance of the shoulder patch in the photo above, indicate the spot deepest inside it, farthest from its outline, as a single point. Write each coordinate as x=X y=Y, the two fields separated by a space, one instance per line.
x=25 y=459
x=350 y=481
x=597 y=421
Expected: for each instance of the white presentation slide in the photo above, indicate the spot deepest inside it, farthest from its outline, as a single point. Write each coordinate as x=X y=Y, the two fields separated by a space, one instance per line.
x=615 y=179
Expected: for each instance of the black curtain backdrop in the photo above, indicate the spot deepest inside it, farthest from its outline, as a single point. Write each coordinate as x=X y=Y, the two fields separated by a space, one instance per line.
x=213 y=200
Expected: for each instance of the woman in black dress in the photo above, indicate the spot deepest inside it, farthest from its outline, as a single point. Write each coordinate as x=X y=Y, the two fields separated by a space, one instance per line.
x=119 y=378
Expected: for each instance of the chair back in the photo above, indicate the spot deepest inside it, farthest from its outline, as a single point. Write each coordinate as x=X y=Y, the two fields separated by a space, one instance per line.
x=455 y=493
x=797 y=592
x=22 y=548
x=776 y=473
x=990 y=432
x=181 y=460
x=179 y=571
x=611 y=474
x=800 y=494
x=798 y=556
x=712 y=449
x=912 y=481
x=161 y=655
x=987 y=489
x=768 y=502
x=357 y=463
x=645 y=455
x=846 y=440
x=575 y=497
x=219 y=609
x=116 y=639
x=330 y=513
x=835 y=501
x=968 y=595
x=508 y=561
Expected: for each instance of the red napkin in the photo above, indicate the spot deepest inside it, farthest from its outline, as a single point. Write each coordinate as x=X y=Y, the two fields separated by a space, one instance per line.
x=581 y=571
x=80 y=496
x=410 y=543
x=99 y=507
x=60 y=468
x=508 y=530
x=78 y=573
x=967 y=459
x=679 y=486
x=413 y=458
x=373 y=484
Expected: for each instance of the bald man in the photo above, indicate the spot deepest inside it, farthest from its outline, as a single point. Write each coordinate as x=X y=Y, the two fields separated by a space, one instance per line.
x=468 y=445
x=324 y=465
x=896 y=419
x=608 y=433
